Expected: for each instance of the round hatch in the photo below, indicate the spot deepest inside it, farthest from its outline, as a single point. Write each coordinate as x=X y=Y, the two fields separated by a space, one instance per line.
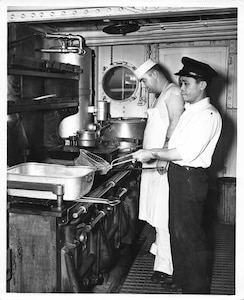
x=119 y=82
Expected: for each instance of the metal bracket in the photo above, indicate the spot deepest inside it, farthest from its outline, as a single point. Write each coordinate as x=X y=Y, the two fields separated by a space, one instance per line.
x=57 y=189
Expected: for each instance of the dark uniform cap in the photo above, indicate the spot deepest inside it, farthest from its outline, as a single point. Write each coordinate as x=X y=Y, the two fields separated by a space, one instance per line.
x=196 y=69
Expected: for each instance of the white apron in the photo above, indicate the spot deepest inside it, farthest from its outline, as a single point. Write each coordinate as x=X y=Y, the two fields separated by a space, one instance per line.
x=154 y=189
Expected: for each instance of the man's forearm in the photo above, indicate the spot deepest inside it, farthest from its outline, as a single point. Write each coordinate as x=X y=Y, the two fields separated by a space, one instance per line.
x=165 y=154
x=145 y=155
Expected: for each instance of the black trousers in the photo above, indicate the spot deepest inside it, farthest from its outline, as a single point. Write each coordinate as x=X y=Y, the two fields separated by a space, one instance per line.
x=187 y=196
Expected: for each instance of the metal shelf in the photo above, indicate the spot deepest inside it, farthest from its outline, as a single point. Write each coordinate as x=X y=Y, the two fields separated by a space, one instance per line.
x=31 y=105
x=43 y=74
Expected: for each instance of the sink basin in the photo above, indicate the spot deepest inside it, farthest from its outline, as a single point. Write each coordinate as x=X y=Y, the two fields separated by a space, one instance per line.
x=77 y=180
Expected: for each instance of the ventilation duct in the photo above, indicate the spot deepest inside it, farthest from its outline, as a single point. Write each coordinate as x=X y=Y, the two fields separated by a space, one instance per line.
x=122 y=28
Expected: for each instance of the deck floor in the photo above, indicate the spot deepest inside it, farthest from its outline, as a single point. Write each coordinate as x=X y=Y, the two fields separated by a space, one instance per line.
x=223 y=271
x=132 y=272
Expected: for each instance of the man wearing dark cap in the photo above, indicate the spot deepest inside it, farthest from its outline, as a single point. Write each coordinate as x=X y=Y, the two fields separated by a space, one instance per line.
x=190 y=152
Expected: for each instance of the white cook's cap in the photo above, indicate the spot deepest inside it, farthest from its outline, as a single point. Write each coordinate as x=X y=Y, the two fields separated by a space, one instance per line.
x=146 y=66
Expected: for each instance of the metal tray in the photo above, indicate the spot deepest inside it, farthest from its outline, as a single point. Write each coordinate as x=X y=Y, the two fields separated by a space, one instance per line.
x=77 y=180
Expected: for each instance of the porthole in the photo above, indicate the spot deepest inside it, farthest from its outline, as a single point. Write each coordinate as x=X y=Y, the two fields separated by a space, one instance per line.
x=119 y=82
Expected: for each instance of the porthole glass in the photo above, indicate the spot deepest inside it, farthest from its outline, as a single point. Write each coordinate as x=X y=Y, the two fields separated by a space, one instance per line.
x=119 y=82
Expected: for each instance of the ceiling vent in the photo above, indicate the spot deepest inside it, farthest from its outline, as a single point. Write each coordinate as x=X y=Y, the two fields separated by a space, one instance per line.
x=122 y=27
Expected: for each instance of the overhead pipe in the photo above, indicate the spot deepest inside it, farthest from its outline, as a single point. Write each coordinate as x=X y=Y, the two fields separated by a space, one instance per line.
x=66 y=47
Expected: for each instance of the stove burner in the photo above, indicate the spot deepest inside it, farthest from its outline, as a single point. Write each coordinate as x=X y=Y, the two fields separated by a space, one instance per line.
x=72 y=152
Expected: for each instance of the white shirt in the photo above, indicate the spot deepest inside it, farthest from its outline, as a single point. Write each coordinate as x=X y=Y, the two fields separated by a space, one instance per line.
x=196 y=134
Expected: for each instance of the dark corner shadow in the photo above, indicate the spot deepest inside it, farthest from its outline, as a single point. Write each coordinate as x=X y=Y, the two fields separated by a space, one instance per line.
x=229 y=130
x=223 y=148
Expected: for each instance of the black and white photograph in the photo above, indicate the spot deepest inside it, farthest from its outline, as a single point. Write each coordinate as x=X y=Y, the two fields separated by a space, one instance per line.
x=121 y=149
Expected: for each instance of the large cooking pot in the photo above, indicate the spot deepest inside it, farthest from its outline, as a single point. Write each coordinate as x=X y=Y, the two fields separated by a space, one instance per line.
x=130 y=128
x=86 y=138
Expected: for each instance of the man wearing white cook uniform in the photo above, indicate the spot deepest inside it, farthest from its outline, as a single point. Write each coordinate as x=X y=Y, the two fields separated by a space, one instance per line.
x=190 y=151
x=163 y=116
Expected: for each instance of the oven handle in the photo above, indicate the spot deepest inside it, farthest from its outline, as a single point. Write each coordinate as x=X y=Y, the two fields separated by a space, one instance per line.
x=95 y=200
x=88 y=227
x=99 y=191
x=122 y=191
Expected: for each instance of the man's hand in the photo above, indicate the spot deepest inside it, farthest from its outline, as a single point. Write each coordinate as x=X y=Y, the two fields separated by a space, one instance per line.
x=162 y=166
x=143 y=155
